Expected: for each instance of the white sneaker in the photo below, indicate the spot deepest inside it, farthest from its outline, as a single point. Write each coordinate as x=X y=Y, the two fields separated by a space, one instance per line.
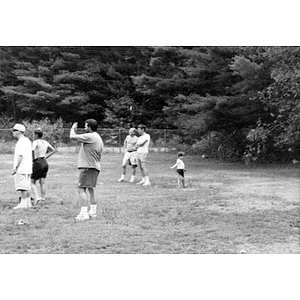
x=141 y=182
x=131 y=180
x=147 y=183
x=92 y=214
x=38 y=200
x=120 y=180
x=21 y=205
x=82 y=216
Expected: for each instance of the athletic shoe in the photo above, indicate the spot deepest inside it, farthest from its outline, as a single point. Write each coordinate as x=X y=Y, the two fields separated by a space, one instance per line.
x=141 y=182
x=131 y=180
x=21 y=222
x=82 y=216
x=147 y=183
x=120 y=180
x=92 y=215
x=21 y=205
x=38 y=200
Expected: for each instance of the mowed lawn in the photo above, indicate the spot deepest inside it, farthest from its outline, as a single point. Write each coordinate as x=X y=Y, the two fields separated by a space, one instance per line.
x=226 y=208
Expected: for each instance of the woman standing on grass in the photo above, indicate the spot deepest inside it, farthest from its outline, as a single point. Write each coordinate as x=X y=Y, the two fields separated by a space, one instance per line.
x=41 y=151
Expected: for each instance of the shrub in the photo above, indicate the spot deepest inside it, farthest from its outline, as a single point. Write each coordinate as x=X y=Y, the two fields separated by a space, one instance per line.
x=52 y=132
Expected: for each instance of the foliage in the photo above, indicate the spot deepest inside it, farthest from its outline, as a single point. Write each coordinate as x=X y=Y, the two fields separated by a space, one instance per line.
x=197 y=90
x=52 y=132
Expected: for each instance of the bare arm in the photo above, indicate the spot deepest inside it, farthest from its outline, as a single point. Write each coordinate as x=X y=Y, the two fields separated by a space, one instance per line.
x=19 y=160
x=73 y=134
x=50 y=152
x=174 y=166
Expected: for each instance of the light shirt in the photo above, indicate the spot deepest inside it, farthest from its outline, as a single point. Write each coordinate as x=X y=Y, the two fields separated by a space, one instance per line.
x=145 y=147
x=23 y=148
x=40 y=148
x=90 y=150
x=130 y=142
x=180 y=164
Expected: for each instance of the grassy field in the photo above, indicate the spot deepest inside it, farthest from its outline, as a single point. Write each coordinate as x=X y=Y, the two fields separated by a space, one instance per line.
x=225 y=209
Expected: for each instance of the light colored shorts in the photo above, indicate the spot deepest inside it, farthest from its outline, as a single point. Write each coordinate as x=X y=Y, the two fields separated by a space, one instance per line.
x=22 y=182
x=141 y=157
x=131 y=158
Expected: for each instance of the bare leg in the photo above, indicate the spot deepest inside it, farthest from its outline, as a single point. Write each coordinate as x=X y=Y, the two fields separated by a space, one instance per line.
x=124 y=170
x=43 y=187
x=34 y=189
x=93 y=201
x=133 y=170
x=83 y=197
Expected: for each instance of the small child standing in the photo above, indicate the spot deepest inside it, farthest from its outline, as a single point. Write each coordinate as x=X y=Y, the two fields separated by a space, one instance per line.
x=180 y=169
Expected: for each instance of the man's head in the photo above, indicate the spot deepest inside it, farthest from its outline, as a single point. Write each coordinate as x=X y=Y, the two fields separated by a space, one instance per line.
x=18 y=130
x=38 y=133
x=91 y=124
x=141 y=128
x=132 y=131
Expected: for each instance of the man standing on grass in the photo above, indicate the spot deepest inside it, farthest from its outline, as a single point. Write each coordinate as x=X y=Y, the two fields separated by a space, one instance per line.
x=130 y=155
x=142 y=147
x=22 y=166
x=89 y=167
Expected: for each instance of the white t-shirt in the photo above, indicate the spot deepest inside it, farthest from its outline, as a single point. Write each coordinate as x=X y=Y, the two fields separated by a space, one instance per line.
x=40 y=148
x=23 y=148
x=180 y=164
x=145 y=147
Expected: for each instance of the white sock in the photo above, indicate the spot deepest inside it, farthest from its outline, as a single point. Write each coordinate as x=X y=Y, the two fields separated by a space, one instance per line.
x=132 y=177
x=147 y=178
x=93 y=208
x=34 y=191
x=122 y=176
x=84 y=209
x=24 y=201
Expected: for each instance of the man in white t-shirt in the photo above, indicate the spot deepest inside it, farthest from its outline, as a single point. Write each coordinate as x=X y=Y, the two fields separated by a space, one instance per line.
x=142 y=147
x=130 y=155
x=22 y=166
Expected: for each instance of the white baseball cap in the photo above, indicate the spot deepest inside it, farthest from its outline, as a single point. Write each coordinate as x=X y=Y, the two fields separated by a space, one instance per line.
x=19 y=127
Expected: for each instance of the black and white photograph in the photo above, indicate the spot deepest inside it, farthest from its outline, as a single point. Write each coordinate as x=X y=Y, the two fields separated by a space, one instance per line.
x=171 y=149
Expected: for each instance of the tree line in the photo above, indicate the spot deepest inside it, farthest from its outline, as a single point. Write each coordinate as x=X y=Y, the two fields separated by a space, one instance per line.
x=231 y=102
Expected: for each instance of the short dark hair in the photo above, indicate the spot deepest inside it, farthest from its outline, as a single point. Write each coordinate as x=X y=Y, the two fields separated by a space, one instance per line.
x=142 y=126
x=38 y=133
x=92 y=123
x=180 y=154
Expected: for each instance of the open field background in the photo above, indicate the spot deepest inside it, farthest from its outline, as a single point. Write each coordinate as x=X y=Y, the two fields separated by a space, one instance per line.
x=226 y=208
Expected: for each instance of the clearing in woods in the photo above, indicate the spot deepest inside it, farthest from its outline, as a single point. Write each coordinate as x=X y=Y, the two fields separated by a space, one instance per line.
x=226 y=208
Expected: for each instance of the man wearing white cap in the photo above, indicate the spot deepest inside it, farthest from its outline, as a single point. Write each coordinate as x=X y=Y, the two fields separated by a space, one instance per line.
x=22 y=166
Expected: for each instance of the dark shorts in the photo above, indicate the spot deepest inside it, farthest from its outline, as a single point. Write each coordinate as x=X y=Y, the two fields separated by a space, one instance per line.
x=88 y=178
x=40 y=168
x=180 y=172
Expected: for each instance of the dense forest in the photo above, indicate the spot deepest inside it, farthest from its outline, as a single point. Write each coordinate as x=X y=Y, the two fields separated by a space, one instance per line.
x=238 y=103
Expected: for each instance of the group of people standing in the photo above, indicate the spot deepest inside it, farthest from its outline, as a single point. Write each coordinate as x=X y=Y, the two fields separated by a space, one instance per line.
x=30 y=164
x=136 y=152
